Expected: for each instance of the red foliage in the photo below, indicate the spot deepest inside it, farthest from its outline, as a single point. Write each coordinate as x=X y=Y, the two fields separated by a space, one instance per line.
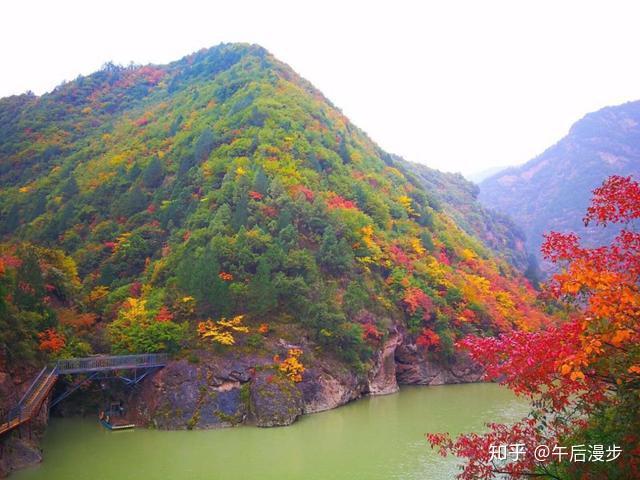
x=399 y=257
x=269 y=211
x=151 y=208
x=468 y=315
x=51 y=340
x=10 y=261
x=336 y=201
x=577 y=369
x=141 y=122
x=477 y=449
x=444 y=258
x=26 y=288
x=308 y=194
x=625 y=206
x=255 y=195
x=164 y=315
x=135 y=289
x=524 y=362
x=428 y=338
x=371 y=334
x=414 y=298
x=225 y=276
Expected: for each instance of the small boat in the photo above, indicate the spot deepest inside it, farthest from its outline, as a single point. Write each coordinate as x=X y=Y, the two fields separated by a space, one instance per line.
x=114 y=418
x=125 y=426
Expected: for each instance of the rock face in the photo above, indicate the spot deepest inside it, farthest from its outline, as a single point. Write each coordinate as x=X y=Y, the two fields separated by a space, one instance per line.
x=414 y=368
x=275 y=401
x=323 y=389
x=184 y=395
x=221 y=392
x=383 y=376
x=18 y=453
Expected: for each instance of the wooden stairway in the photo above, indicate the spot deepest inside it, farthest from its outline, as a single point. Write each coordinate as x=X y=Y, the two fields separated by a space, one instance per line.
x=30 y=403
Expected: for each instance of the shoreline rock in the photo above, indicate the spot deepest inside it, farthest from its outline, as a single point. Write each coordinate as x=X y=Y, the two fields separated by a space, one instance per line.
x=224 y=391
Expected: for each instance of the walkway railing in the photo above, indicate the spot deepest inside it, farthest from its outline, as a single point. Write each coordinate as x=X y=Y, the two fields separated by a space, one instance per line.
x=98 y=363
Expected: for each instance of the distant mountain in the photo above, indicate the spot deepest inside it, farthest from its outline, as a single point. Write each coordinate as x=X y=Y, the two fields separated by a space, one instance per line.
x=479 y=176
x=552 y=191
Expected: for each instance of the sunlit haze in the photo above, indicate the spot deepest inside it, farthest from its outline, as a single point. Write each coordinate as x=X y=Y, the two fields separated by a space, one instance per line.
x=460 y=86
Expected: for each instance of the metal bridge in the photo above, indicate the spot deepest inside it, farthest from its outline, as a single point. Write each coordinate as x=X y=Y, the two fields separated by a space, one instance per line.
x=31 y=402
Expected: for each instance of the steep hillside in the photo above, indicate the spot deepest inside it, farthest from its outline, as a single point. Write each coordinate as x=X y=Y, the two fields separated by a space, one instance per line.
x=221 y=202
x=459 y=199
x=552 y=191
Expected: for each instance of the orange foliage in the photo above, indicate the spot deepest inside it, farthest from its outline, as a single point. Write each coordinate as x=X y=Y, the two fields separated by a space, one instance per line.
x=164 y=315
x=79 y=321
x=51 y=341
x=225 y=276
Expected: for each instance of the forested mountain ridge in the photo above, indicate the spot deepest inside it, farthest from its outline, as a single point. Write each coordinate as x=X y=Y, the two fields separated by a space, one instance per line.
x=459 y=199
x=223 y=201
x=552 y=191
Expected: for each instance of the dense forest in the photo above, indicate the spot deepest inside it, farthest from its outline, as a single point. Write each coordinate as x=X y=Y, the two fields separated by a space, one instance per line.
x=220 y=200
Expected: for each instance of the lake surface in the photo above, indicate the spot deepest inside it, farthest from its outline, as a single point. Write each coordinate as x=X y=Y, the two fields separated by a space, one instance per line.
x=373 y=438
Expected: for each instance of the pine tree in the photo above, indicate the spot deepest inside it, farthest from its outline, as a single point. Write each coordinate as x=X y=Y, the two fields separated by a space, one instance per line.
x=335 y=255
x=153 y=173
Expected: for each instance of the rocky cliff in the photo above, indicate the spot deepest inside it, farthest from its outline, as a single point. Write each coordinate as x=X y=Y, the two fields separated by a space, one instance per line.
x=227 y=391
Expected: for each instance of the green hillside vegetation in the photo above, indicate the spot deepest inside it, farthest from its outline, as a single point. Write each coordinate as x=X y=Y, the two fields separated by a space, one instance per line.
x=459 y=199
x=140 y=201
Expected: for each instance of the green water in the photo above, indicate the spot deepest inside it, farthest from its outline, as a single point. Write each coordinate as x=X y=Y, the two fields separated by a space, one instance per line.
x=373 y=438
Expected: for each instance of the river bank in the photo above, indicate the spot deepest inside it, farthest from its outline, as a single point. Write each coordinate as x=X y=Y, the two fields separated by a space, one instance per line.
x=234 y=389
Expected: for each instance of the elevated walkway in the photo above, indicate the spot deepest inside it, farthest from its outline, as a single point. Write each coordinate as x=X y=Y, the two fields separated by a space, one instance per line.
x=40 y=388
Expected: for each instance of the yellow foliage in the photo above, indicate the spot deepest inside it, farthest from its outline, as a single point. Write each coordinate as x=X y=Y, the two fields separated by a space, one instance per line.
x=135 y=310
x=222 y=330
x=505 y=303
x=97 y=294
x=416 y=244
x=406 y=202
x=468 y=254
x=291 y=366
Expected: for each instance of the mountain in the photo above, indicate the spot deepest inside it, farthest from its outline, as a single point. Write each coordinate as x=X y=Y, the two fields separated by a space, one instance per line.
x=458 y=197
x=222 y=204
x=479 y=176
x=552 y=191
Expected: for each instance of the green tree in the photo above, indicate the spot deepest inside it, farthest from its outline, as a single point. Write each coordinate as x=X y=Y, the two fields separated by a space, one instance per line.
x=153 y=173
x=335 y=255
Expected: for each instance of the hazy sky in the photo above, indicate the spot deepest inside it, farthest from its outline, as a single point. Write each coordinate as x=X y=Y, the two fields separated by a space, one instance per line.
x=458 y=85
